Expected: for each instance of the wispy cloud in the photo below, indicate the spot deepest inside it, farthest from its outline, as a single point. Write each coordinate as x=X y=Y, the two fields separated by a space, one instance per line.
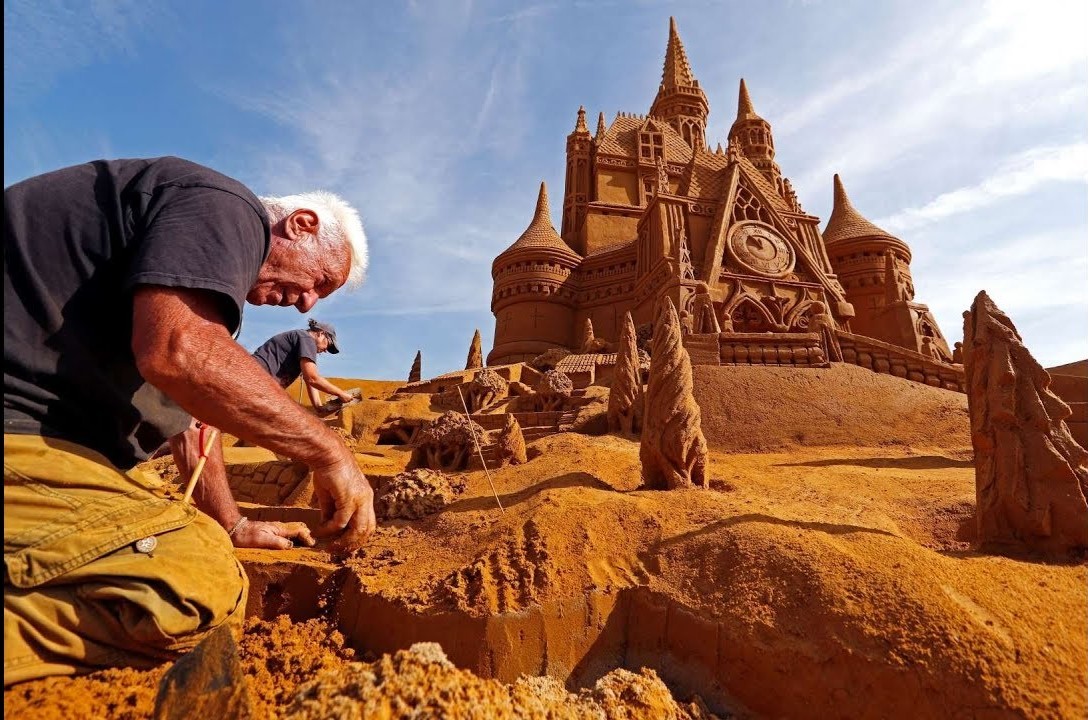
x=1020 y=175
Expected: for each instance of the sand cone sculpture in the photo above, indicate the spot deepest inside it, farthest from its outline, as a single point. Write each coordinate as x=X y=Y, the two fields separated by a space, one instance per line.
x=511 y=443
x=417 y=368
x=587 y=336
x=475 y=353
x=626 y=392
x=1031 y=477
x=673 y=451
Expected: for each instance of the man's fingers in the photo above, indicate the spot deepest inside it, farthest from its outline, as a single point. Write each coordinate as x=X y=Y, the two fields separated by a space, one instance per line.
x=298 y=531
x=339 y=520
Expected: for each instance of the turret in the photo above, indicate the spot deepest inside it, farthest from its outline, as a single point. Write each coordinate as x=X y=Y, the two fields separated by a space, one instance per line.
x=680 y=101
x=576 y=193
x=532 y=299
x=753 y=135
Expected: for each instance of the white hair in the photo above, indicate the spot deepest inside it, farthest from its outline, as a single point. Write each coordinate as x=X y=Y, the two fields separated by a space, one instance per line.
x=337 y=222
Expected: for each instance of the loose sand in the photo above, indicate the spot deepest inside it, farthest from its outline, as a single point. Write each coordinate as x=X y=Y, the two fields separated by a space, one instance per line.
x=809 y=581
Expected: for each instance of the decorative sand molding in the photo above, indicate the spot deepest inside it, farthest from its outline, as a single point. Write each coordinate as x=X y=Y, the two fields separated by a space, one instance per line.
x=416 y=493
x=1031 y=477
x=673 y=450
x=487 y=387
x=511 y=443
x=625 y=398
x=275 y=482
x=475 y=353
x=446 y=444
x=553 y=390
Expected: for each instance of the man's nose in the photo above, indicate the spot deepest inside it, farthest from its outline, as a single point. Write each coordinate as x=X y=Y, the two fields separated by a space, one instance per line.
x=306 y=301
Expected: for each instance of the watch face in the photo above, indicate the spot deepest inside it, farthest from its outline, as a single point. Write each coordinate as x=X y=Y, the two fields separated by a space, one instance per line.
x=761 y=249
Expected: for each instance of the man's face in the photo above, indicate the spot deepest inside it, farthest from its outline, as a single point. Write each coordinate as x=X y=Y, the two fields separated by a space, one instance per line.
x=322 y=342
x=298 y=272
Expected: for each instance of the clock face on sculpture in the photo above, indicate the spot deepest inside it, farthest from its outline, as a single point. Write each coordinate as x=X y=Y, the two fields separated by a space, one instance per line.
x=761 y=249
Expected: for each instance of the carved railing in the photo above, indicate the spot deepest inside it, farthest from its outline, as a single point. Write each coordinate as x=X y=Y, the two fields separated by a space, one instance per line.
x=894 y=360
x=782 y=349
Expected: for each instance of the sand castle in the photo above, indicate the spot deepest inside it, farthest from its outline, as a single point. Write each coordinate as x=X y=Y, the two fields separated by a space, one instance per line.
x=651 y=212
x=1031 y=476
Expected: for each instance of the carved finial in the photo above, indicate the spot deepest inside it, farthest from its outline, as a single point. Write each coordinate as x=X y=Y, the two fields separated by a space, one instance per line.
x=580 y=125
x=744 y=103
x=719 y=151
x=733 y=152
x=662 y=185
x=600 y=128
x=677 y=72
x=417 y=368
x=475 y=353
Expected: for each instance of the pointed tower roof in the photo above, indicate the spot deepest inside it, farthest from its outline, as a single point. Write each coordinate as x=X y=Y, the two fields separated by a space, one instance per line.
x=846 y=223
x=601 y=128
x=745 y=109
x=677 y=71
x=580 y=125
x=540 y=234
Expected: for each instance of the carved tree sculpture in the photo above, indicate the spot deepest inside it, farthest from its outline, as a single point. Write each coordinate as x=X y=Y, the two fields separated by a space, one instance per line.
x=626 y=393
x=484 y=389
x=705 y=320
x=673 y=450
x=1031 y=477
x=553 y=390
x=417 y=368
x=475 y=353
x=511 y=443
x=587 y=336
x=447 y=443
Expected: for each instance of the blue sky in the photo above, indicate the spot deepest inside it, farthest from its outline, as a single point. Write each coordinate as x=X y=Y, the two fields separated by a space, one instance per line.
x=961 y=127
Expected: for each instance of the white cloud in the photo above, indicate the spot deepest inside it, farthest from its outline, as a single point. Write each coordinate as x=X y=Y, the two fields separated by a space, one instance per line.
x=1020 y=175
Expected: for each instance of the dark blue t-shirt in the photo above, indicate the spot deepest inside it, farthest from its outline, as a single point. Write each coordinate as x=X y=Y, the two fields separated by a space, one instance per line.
x=282 y=355
x=77 y=241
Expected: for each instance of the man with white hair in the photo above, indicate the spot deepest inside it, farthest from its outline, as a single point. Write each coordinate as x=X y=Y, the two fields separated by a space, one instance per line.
x=124 y=284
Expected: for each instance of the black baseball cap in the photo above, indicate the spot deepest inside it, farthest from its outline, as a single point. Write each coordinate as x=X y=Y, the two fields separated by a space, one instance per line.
x=330 y=331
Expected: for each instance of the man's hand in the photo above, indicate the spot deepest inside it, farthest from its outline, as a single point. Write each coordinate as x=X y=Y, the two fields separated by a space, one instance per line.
x=347 y=502
x=272 y=535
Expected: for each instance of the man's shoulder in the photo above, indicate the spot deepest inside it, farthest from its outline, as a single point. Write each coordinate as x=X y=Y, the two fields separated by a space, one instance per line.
x=171 y=171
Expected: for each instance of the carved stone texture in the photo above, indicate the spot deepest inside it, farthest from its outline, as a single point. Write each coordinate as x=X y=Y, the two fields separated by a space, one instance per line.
x=416 y=493
x=673 y=450
x=475 y=353
x=417 y=368
x=511 y=443
x=484 y=389
x=1031 y=477
x=644 y=337
x=553 y=390
x=626 y=393
x=274 y=482
x=587 y=336
x=549 y=359
x=704 y=319
x=207 y=682
x=446 y=444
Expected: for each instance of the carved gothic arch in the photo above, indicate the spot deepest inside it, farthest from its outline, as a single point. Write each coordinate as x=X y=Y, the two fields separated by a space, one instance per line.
x=743 y=312
x=800 y=316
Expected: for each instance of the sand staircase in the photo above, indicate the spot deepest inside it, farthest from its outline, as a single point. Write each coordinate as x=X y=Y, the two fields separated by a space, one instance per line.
x=534 y=425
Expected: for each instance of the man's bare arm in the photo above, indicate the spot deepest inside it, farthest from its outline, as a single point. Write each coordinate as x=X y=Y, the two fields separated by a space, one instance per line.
x=313 y=379
x=182 y=347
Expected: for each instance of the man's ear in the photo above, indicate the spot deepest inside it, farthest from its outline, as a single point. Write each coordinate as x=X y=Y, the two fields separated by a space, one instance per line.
x=301 y=224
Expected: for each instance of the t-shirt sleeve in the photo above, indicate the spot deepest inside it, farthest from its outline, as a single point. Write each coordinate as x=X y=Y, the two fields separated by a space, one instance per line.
x=307 y=347
x=201 y=238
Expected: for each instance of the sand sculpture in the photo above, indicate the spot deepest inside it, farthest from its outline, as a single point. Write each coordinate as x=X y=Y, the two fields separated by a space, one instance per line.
x=475 y=353
x=587 y=336
x=548 y=360
x=416 y=493
x=673 y=451
x=553 y=390
x=484 y=389
x=273 y=482
x=1031 y=477
x=511 y=443
x=626 y=394
x=415 y=374
x=447 y=443
x=651 y=212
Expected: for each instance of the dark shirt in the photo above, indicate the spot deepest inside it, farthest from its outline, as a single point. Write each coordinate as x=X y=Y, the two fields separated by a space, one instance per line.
x=76 y=243
x=282 y=354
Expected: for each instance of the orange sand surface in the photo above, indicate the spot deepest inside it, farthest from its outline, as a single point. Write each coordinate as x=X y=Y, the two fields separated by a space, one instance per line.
x=810 y=581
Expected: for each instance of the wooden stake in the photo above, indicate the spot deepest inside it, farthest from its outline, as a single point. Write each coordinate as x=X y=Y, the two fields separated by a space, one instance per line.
x=200 y=465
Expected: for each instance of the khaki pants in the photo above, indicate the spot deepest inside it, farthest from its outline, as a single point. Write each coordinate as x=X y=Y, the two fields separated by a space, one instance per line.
x=78 y=594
